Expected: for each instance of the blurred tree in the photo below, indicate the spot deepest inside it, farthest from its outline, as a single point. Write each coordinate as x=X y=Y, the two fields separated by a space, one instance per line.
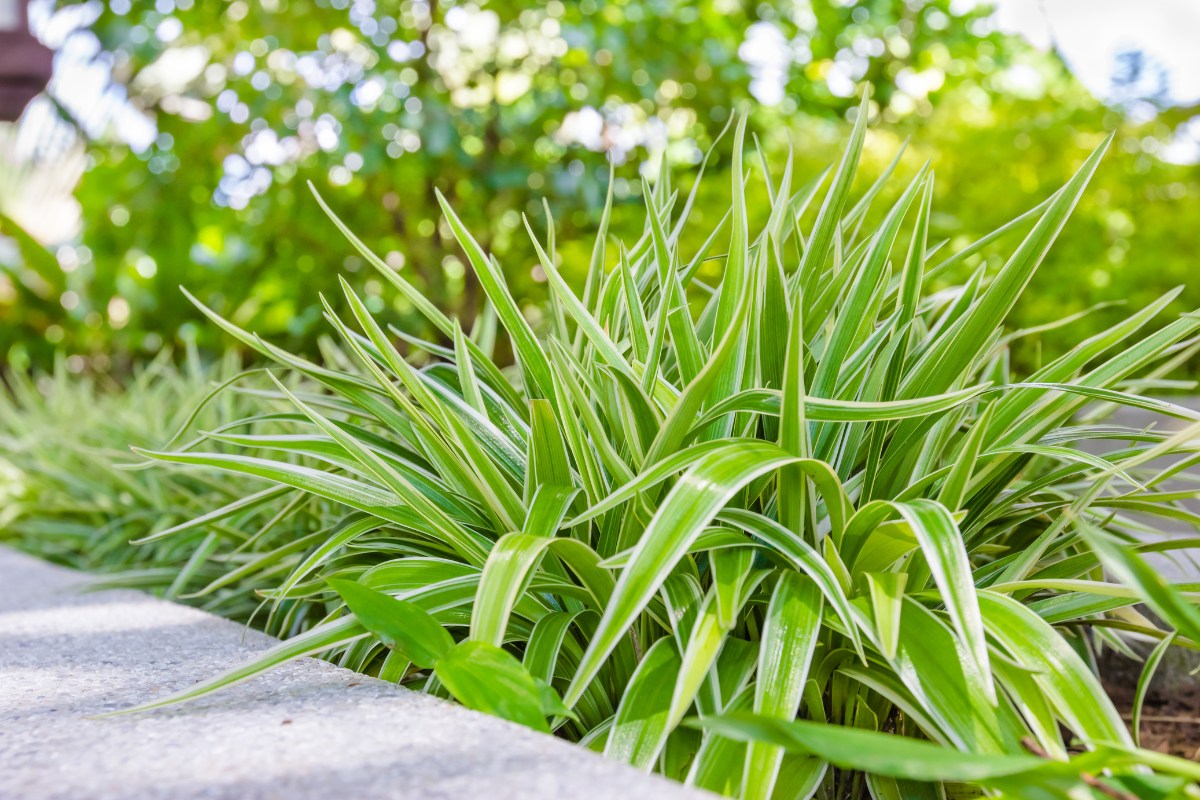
x=503 y=103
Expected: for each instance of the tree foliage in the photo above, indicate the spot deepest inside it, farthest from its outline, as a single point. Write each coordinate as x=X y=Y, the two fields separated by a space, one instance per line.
x=503 y=104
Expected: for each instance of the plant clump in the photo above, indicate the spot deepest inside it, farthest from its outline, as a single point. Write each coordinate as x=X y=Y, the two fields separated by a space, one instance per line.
x=771 y=517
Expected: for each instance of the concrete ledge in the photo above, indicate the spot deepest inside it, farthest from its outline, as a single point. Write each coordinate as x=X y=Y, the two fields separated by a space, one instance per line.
x=306 y=730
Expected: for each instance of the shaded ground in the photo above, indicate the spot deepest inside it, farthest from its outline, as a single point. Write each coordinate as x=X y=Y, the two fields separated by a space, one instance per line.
x=1170 y=721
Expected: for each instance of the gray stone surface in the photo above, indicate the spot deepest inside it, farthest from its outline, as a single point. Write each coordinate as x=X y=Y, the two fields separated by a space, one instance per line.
x=1176 y=672
x=306 y=730
x=1178 y=565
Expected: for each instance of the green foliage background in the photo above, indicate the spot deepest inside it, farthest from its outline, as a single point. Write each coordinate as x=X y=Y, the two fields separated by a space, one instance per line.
x=997 y=147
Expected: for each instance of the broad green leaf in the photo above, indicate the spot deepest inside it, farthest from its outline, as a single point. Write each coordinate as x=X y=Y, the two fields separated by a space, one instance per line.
x=403 y=626
x=548 y=461
x=1067 y=682
x=690 y=505
x=887 y=600
x=941 y=543
x=954 y=489
x=733 y=581
x=879 y=753
x=511 y=561
x=641 y=726
x=790 y=631
x=486 y=678
x=816 y=409
x=805 y=558
x=793 y=423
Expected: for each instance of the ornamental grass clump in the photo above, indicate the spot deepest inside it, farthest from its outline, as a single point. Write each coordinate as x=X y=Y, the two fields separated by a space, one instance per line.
x=67 y=493
x=795 y=532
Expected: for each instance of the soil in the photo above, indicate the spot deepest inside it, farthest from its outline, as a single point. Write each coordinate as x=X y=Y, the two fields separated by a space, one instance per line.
x=1170 y=716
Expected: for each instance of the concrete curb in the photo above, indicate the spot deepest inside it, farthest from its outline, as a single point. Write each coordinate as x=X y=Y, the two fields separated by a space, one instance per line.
x=306 y=730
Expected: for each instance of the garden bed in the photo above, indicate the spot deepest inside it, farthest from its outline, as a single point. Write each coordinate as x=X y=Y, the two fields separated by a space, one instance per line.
x=1170 y=718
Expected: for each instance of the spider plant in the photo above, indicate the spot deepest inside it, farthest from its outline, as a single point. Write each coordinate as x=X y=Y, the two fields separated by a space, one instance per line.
x=795 y=531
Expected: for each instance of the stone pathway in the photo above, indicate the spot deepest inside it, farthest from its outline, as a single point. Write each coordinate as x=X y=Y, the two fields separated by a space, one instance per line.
x=306 y=730
x=1178 y=565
